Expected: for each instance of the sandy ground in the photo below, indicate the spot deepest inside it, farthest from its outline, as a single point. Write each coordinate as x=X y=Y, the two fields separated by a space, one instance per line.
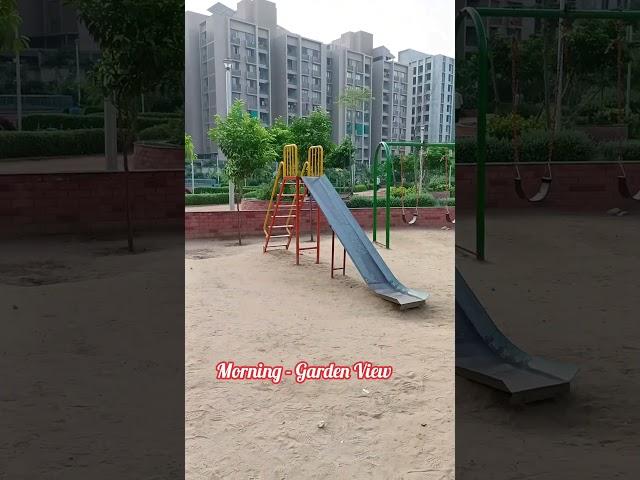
x=245 y=306
x=87 y=389
x=573 y=288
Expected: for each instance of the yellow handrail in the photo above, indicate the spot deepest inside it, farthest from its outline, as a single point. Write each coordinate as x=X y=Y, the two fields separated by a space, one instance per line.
x=290 y=160
x=279 y=174
x=315 y=160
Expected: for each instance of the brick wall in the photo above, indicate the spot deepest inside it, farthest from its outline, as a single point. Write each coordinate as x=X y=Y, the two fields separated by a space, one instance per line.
x=157 y=157
x=575 y=187
x=89 y=202
x=222 y=224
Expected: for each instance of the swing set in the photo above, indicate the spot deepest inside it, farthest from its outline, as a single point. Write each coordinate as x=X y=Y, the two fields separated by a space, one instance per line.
x=408 y=218
x=477 y=17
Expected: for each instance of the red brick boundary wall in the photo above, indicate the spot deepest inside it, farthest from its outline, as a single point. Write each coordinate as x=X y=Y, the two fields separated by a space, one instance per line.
x=81 y=203
x=157 y=157
x=575 y=186
x=223 y=224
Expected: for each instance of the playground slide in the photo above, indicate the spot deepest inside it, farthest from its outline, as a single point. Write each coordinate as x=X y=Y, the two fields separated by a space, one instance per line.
x=363 y=254
x=485 y=355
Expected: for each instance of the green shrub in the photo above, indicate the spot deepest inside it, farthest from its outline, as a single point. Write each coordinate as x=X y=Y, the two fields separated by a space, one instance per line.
x=360 y=188
x=438 y=183
x=206 y=198
x=425 y=200
x=501 y=126
x=608 y=151
x=51 y=143
x=224 y=189
x=59 y=121
x=569 y=146
x=398 y=192
x=155 y=132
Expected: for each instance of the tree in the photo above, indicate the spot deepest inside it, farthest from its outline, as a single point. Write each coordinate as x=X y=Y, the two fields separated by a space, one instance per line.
x=189 y=157
x=352 y=99
x=315 y=129
x=280 y=136
x=342 y=155
x=12 y=41
x=141 y=49
x=246 y=144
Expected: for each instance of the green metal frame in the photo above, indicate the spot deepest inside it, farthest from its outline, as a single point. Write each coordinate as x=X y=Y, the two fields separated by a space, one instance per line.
x=386 y=147
x=476 y=14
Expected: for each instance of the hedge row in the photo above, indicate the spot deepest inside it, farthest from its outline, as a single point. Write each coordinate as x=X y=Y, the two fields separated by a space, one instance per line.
x=74 y=122
x=224 y=189
x=51 y=143
x=409 y=202
x=206 y=198
x=569 y=146
x=354 y=202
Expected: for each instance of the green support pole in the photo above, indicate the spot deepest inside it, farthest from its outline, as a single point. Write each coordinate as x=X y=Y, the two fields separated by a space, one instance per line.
x=386 y=147
x=481 y=139
x=388 y=162
x=375 y=193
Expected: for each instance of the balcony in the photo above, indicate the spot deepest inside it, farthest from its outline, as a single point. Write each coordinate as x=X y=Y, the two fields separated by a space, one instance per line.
x=263 y=44
x=252 y=90
x=235 y=72
x=251 y=59
x=235 y=56
x=306 y=56
x=250 y=43
x=252 y=75
x=315 y=59
x=263 y=61
x=235 y=40
x=236 y=87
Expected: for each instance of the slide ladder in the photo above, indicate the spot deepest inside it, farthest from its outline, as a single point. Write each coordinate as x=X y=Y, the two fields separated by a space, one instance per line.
x=281 y=220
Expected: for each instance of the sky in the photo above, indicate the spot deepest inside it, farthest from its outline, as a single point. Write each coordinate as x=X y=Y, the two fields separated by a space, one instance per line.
x=424 y=25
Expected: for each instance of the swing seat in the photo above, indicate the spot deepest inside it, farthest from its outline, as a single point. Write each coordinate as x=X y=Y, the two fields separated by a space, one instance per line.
x=539 y=196
x=411 y=220
x=623 y=188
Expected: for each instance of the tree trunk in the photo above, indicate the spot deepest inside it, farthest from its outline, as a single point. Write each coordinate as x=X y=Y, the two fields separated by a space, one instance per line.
x=238 y=199
x=127 y=194
x=545 y=75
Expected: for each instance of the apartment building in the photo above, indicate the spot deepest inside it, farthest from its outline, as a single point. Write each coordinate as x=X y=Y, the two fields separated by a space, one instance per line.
x=241 y=39
x=432 y=95
x=302 y=62
x=391 y=98
x=281 y=74
x=349 y=64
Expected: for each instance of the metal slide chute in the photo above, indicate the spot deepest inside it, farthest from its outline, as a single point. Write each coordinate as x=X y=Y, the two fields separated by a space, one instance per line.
x=485 y=355
x=363 y=254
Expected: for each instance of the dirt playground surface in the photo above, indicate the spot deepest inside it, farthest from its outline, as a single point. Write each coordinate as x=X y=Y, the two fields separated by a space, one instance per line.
x=573 y=284
x=245 y=306
x=77 y=371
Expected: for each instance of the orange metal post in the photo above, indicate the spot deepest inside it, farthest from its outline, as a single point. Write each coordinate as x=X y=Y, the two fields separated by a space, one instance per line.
x=297 y=220
x=317 y=234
